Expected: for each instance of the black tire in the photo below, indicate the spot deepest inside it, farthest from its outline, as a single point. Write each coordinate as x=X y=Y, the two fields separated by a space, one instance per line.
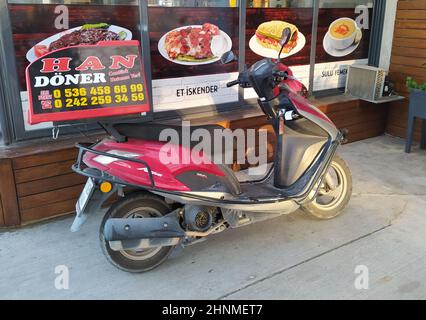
x=129 y=260
x=336 y=206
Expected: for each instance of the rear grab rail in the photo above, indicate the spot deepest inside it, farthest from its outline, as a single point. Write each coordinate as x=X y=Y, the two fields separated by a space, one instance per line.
x=87 y=147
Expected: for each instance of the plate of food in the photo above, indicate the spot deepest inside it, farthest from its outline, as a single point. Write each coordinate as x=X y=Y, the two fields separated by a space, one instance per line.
x=85 y=34
x=195 y=44
x=266 y=41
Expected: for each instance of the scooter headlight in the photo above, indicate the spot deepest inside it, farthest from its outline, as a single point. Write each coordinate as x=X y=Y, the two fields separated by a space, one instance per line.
x=105 y=160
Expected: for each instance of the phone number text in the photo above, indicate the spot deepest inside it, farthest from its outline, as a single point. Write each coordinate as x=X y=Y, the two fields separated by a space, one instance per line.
x=98 y=96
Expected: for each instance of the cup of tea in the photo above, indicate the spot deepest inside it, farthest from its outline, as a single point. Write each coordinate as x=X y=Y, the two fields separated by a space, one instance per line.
x=343 y=32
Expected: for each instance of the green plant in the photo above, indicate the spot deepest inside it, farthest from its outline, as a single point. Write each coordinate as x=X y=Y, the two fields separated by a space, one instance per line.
x=412 y=84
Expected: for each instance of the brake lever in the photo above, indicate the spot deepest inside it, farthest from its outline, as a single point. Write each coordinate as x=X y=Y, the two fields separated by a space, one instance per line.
x=232 y=83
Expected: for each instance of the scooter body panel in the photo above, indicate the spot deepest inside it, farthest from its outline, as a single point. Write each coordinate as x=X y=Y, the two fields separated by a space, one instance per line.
x=167 y=162
x=312 y=113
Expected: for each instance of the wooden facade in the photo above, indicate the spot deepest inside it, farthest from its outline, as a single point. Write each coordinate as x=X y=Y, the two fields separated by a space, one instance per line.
x=36 y=181
x=408 y=56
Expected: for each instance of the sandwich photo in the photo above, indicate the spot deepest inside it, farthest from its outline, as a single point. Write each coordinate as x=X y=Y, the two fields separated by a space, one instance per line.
x=266 y=40
x=268 y=35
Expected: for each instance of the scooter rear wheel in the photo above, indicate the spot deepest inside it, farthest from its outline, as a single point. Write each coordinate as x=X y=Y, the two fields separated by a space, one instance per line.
x=334 y=193
x=136 y=206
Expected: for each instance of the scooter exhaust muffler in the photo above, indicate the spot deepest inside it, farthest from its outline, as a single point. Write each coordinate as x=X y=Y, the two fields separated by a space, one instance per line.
x=126 y=234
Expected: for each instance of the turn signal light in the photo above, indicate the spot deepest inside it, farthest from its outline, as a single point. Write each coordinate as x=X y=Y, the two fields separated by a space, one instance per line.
x=106 y=187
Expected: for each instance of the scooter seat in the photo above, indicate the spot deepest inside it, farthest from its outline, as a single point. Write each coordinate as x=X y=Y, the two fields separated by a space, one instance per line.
x=152 y=131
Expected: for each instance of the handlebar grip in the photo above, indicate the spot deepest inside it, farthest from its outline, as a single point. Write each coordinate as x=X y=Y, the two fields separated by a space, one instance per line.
x=232 y=83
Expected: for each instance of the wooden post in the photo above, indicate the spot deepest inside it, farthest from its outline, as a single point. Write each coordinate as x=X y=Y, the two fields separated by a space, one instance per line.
x=1 y=215
x=9 y=200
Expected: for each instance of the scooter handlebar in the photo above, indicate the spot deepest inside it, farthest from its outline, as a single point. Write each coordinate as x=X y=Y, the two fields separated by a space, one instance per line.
x=232 y=83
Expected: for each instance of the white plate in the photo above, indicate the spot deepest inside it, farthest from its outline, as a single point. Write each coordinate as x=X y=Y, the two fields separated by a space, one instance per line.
x=328 y=47
x=272 y=53
x=220 y=44
x=46 y=42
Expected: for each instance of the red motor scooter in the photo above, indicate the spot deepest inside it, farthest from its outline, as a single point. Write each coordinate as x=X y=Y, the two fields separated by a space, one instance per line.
x=162 y=205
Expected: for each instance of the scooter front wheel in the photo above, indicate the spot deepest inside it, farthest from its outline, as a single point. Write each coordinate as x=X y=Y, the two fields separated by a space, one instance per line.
x=136 y=206
x=335 y=192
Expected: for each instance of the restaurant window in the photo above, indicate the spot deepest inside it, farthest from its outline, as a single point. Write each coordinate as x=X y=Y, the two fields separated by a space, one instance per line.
x=343 y=39
x=2 y=116
x=185 y=75
x=4 y=134
x=265 y=21
x=1 y=135
x=185 y=53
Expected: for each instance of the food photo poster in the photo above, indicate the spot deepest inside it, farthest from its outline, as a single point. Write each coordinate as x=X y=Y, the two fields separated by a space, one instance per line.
x=185 y=53
x=343 y=40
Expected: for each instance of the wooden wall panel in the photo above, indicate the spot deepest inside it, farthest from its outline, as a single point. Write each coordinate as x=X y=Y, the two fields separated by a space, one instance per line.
x=49 y=184
x=48 y=211
x=39 y=159
x=1 y=214
x=44 y=171
x=43 y=198
x=408 y=56
x=45 y=184
x=8 y=195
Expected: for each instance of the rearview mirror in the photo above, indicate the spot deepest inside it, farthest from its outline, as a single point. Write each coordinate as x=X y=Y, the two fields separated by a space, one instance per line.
x=285 y=36
x=228 y=57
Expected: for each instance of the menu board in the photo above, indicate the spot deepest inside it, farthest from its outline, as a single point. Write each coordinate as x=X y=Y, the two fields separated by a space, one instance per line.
x=87 y=81
x=38 y=29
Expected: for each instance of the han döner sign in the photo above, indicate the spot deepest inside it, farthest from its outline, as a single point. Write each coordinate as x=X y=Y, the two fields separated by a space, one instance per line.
x=88 y=81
